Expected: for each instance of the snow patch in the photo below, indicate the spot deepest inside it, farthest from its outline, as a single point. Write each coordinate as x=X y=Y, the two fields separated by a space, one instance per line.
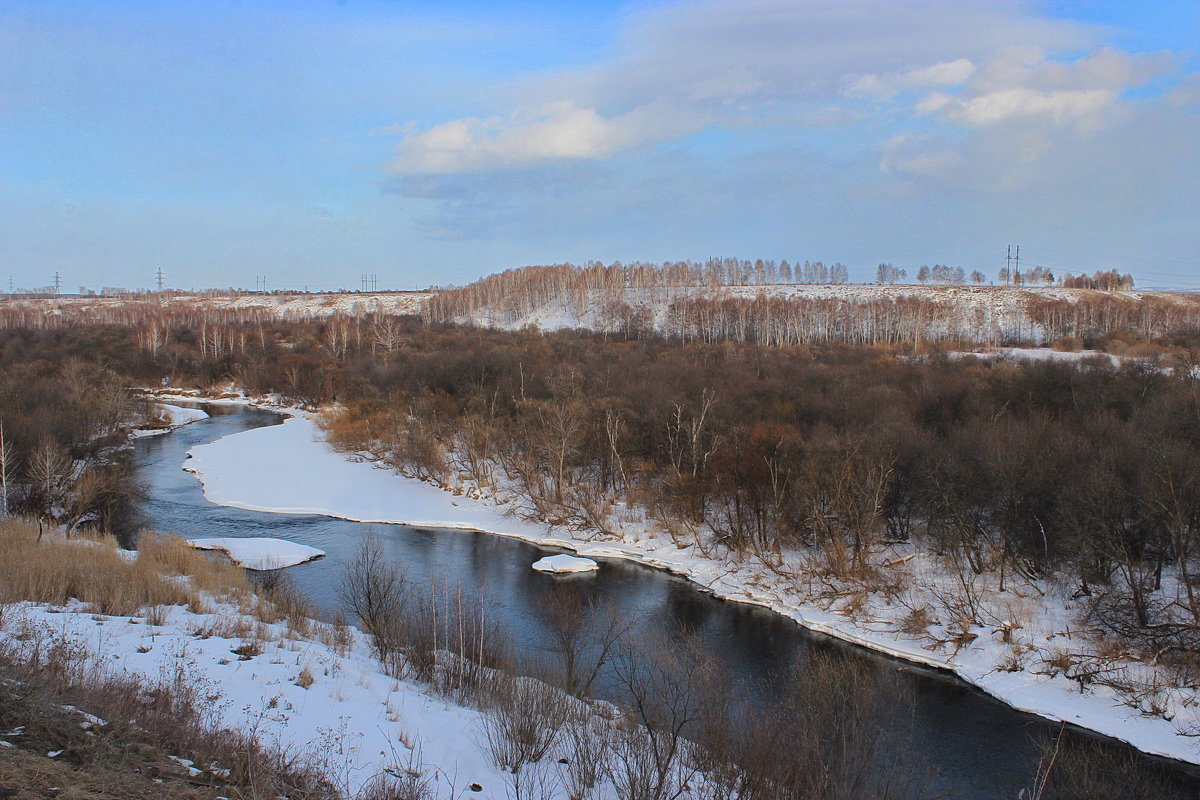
x=563 y=563
x=260 y=553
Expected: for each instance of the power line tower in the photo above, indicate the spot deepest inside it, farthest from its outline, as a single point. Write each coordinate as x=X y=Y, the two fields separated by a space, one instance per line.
x=57 y=283
x=160 y=279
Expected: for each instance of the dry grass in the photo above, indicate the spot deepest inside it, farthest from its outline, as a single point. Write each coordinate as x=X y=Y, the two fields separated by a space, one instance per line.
x=54 y=570
x=135 y=728
x=25 y=776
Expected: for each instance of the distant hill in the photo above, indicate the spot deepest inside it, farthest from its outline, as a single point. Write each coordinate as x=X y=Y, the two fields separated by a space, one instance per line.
x=667 y=300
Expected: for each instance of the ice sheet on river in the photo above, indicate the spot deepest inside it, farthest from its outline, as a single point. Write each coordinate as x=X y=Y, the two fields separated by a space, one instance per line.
x=565 y=563
x=260 y=553
x=289 y=469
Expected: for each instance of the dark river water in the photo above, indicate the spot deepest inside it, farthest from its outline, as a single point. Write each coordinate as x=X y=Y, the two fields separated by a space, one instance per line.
x=962 y=743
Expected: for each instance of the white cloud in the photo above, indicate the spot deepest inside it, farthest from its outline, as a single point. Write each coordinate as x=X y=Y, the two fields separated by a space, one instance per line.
x=555 y=132
x=682 y=68
x=887 y=86
x=1022 y=85
x=1007 y=104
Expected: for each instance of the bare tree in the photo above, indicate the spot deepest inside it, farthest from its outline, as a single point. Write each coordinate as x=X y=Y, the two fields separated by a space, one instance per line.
x=8 y=464
x=49 y=470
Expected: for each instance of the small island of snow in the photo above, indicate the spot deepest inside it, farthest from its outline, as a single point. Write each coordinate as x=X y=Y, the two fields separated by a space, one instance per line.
x=260 y=553
x=565 y=563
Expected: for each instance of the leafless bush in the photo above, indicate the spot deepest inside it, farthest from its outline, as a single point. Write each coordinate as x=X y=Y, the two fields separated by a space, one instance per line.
x=1079 y=767
x=582 y=637
x=821 y=738
x=398 y=785
x=666 y=688
x=523 y=720
x=375 y=591
x=535 y=782
x=586 y=744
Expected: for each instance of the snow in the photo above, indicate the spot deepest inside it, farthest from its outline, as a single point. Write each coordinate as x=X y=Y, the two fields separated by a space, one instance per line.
x=353 y=719
x=563 y=563
x=173 y=416
x=991 y=311
x=288 y=468
x=1039 y=354
x=260 y=553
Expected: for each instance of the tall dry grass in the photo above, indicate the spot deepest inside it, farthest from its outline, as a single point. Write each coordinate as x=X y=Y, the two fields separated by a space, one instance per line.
x=50 y=568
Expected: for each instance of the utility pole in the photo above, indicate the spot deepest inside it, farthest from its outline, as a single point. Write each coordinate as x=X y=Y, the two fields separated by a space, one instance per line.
x=160 y=279
x=1008 y=266
x=1017 y=268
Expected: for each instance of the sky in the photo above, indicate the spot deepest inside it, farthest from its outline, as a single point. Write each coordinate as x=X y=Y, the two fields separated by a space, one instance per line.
x=431 y=143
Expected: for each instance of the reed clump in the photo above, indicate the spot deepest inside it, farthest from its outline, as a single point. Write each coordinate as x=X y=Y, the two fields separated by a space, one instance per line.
x=43 y=566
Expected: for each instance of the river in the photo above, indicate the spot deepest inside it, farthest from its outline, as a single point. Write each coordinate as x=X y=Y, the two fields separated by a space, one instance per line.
x=963 y=743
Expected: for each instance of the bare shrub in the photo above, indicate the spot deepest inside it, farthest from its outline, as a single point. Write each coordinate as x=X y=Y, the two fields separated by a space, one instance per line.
x=398 y=785
x=522 y=721
x=451 y=642
x=917 y=621
x=1075 y=766
x=375 y=591
x=821 y=738
x=666 y=691
x=586 y=744
x=582 y=637
x=535 y=782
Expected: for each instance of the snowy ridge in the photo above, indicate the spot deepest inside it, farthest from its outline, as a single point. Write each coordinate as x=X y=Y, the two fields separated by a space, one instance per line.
x=984 y=310
x=306 y=476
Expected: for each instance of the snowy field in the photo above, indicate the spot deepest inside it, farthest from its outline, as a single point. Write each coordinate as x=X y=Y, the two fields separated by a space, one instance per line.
x=288 y=468
x=335 y=709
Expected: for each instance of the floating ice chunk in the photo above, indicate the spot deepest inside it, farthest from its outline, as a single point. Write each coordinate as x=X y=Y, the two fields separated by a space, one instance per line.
x=565 y=563
x=260 y=553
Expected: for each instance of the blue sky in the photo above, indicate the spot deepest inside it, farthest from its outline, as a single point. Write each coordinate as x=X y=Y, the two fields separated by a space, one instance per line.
x=432 y=143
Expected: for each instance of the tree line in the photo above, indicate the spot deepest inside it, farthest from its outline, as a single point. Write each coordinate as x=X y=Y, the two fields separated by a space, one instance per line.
x=1085 y=471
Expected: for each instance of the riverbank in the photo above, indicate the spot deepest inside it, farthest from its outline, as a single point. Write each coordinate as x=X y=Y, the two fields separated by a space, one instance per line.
x=289 y=469
x=166 y=622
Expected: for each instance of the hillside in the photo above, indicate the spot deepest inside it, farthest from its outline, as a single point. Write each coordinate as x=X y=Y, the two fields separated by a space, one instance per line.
x=761 y=313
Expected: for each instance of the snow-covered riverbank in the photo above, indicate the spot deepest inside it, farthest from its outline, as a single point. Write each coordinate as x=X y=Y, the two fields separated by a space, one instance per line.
x=334 y=708
x=289 y=469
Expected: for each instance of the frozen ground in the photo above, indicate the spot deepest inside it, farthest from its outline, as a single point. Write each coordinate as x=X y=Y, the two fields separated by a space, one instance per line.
x=289 y=469
x=337 y=709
